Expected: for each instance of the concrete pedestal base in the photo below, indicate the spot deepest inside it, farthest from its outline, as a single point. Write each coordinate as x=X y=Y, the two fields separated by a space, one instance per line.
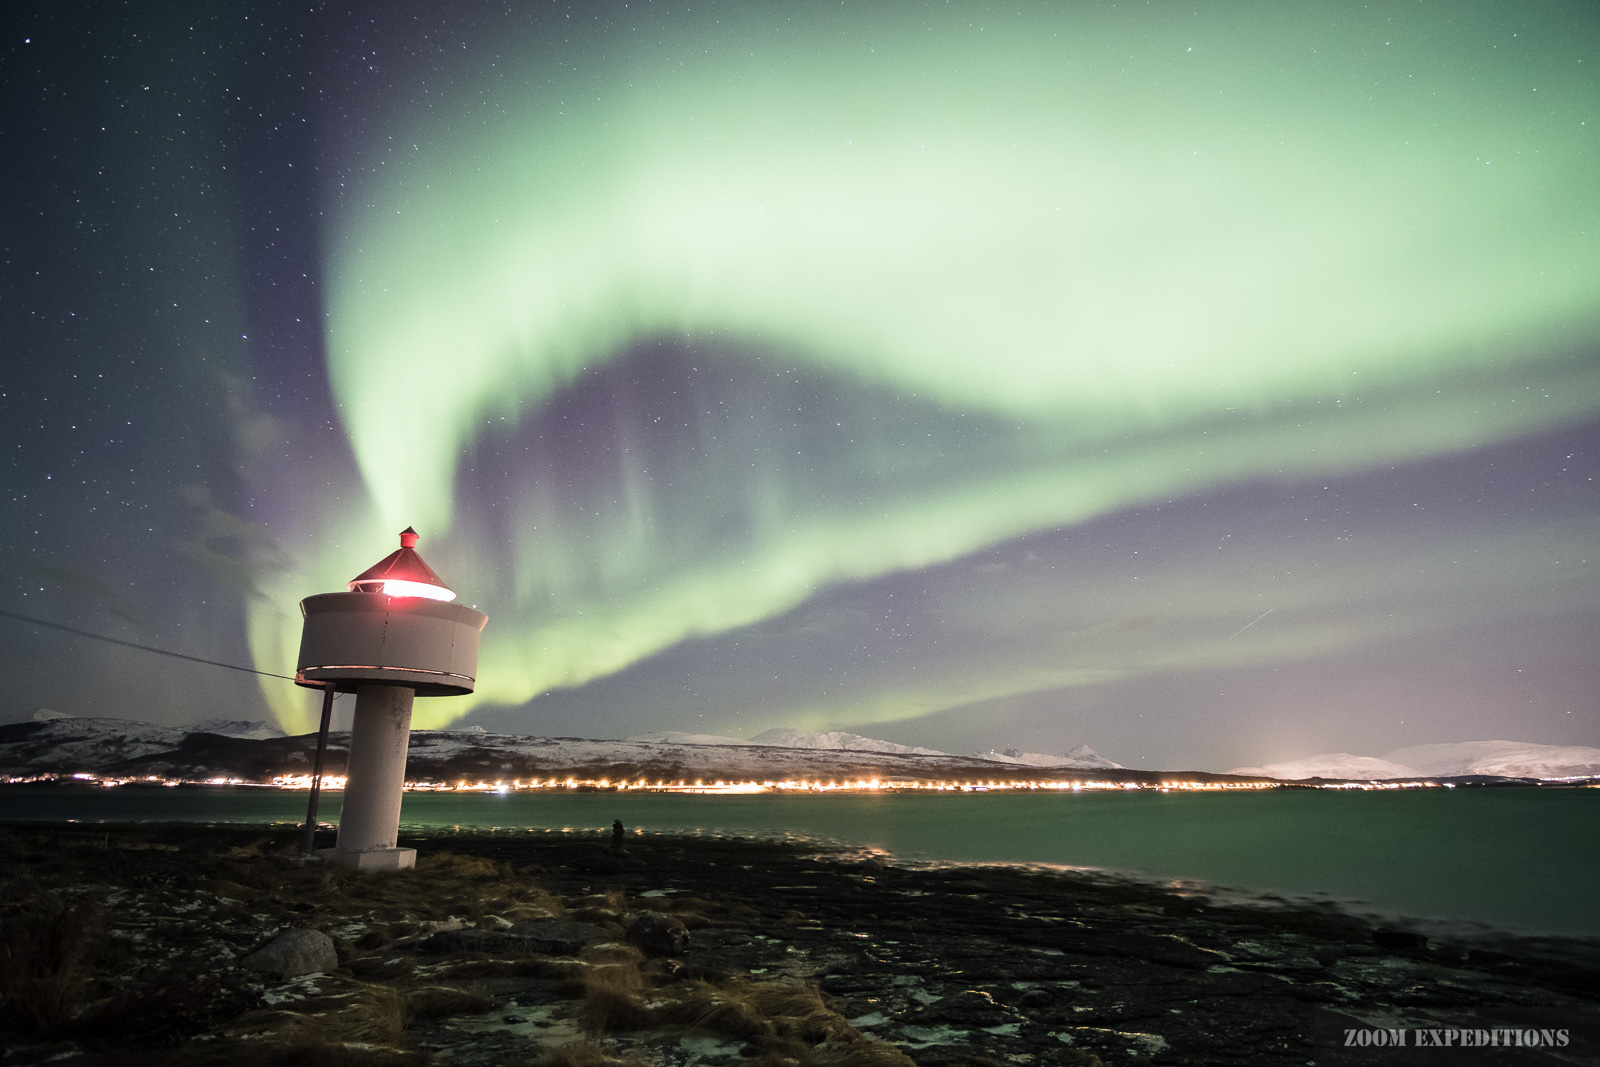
x=372 y=859
x=380 y=734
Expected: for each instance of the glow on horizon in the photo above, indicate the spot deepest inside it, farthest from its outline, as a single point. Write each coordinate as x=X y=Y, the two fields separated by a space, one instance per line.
x=1173 y=255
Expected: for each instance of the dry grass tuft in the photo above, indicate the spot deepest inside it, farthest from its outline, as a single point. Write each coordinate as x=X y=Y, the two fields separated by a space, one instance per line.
x=371 y=1014
x=797 y=1010
x=870 y=1052
x=863 y=1052
x=589 y=1054
x=441 y=885
x=441 y=1002
x=529 y=967
x=59 y=977
x=382 y=969
x=612 y=997
x=377 y=937
x=298 y=1053
x=602 y=909
x=775 y=1013
x=44 y=966
x=618 y=990
x=721 y=1009
x=691 y=911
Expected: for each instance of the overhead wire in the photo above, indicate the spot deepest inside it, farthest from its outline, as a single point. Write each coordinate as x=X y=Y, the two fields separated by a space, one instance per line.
x=142 y=648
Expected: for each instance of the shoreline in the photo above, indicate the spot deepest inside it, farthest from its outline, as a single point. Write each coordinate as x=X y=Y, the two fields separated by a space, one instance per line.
x=1461 y=933
x=1367 y=855
x=932 y=964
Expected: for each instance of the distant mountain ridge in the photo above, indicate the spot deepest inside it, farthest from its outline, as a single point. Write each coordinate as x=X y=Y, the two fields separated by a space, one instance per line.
x=120 y=747
x=837 y=741
x=255 y=728
x=231 y=749
x=1081 y=758
x=1502 y=759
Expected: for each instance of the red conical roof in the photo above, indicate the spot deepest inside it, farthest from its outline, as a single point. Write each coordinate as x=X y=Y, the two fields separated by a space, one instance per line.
x=402 y=573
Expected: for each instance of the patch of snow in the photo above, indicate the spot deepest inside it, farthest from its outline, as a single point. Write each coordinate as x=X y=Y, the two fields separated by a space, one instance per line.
x=45 y=715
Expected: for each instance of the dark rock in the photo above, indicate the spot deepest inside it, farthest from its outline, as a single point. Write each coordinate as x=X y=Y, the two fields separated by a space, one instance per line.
x=558 y=937
x=656 y=934
x=970 y=1007
x=1168 y=950
x=1385 y=937
x=854 y=983
x=543 y=937
x=1039 y=998
x=494 y=942
x=295 y=952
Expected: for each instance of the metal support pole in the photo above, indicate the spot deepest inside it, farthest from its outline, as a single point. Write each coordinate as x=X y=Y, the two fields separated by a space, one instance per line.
x=308 y=846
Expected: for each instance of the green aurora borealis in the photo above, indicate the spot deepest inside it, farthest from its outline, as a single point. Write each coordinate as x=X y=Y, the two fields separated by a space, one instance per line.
x=810 y=295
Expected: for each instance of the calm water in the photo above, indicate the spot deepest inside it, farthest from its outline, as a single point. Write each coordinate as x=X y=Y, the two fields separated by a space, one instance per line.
x=1516 y=859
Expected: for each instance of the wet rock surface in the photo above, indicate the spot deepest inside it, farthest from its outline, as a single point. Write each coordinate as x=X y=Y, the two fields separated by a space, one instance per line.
x=510 y=947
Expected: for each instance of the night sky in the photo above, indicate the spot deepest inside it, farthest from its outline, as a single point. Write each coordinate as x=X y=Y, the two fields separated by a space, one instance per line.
x=1213 y=388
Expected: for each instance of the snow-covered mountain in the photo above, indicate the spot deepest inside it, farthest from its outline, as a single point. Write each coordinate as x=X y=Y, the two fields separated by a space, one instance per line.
x=232 y=749
x=1081 y=758
x=1504 y=759
x=1332 y=765
x=255 y=729
x=836 y=741
x=678 y=737
x=67 y=743
x=117 y=746
x=675 y=755
x=1510 y=759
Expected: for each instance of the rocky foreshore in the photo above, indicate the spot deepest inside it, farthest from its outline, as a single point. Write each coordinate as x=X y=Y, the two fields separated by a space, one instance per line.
x=184 y=944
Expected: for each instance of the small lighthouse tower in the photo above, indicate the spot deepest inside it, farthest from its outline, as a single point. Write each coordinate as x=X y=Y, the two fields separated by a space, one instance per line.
x=393 y=637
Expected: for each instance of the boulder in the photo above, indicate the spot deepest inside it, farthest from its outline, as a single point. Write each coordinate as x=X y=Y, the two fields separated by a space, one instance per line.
x=295 y=952
x=656 y=934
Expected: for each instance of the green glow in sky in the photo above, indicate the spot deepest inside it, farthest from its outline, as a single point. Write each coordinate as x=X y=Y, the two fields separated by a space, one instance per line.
x=1168 y=252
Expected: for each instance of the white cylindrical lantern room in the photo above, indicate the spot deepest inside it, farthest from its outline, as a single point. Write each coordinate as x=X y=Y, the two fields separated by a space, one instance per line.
x=393 y=637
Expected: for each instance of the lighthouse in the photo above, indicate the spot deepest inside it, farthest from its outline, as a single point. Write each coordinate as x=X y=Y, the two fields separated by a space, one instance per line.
x=394 y=636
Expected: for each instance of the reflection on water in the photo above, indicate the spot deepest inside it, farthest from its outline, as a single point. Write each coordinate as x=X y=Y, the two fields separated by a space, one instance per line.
x=1509 y=857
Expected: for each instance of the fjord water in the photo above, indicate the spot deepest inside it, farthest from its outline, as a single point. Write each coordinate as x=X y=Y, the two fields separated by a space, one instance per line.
x=1524 y=859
